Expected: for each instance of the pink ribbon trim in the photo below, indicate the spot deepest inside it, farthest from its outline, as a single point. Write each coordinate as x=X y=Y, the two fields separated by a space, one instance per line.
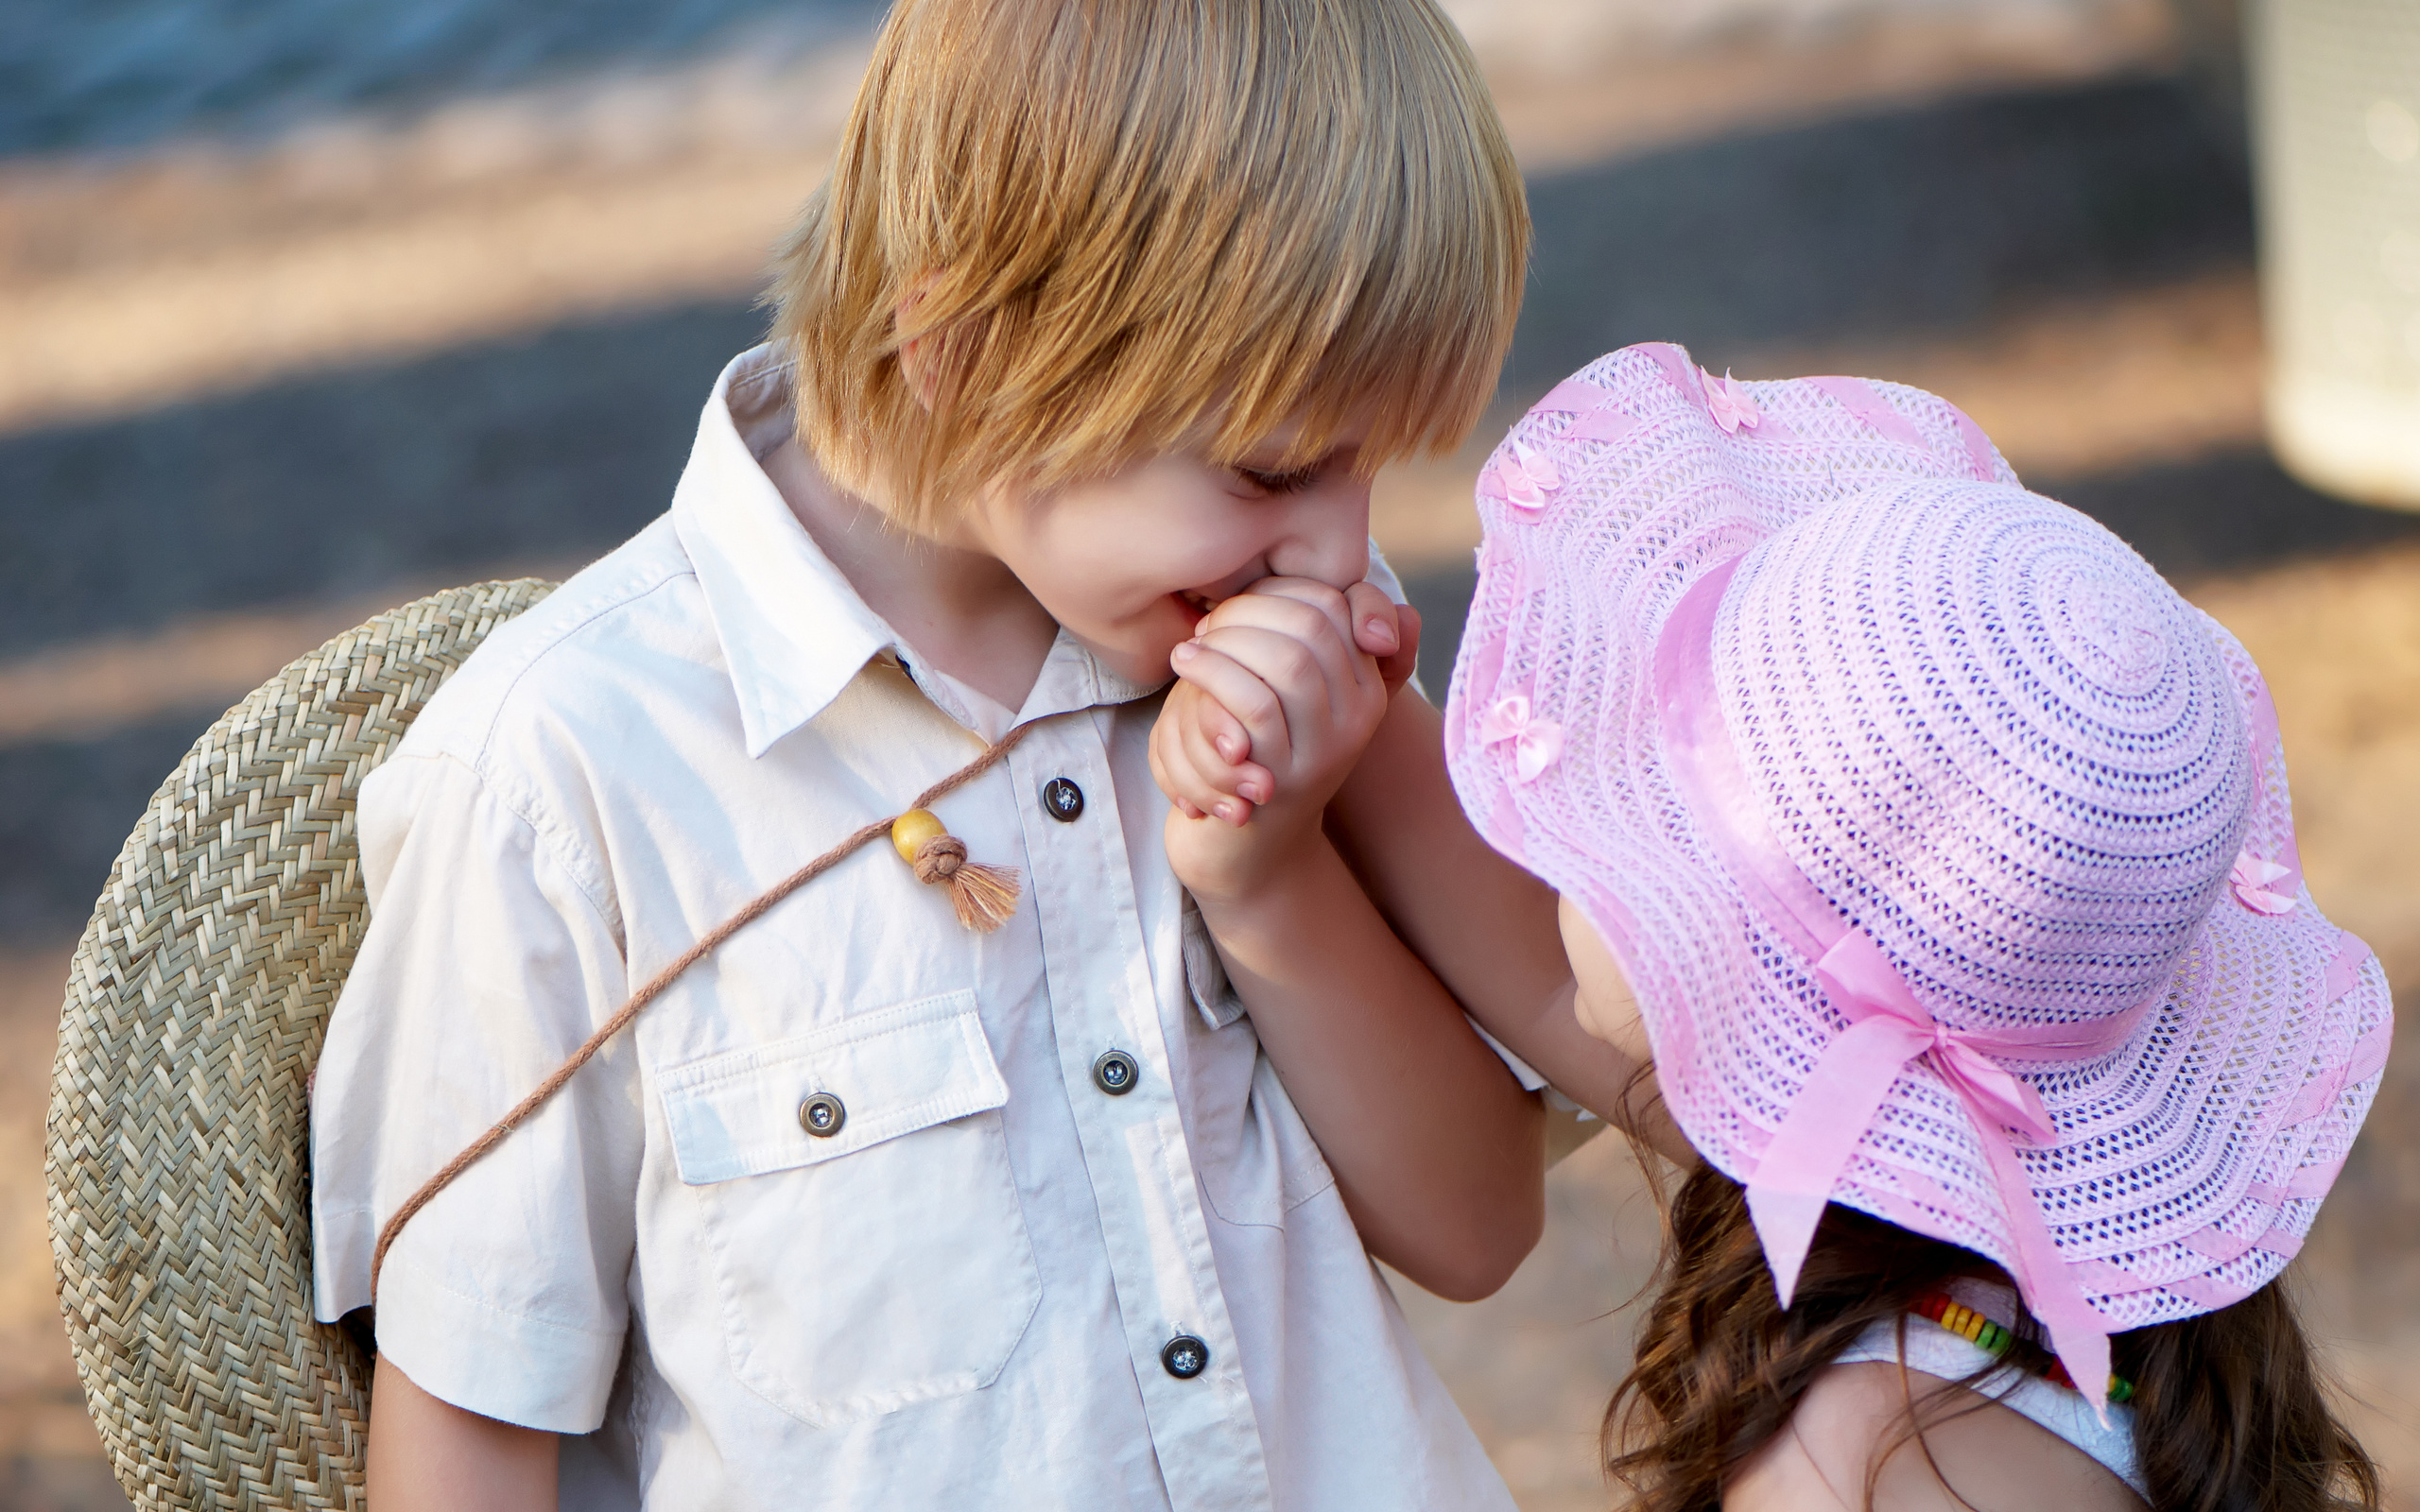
x=1678 y=370
x=1573 y=396
x=1888 y=1027
x=1601 y=426
x=1861 y=399
x=1979 y=446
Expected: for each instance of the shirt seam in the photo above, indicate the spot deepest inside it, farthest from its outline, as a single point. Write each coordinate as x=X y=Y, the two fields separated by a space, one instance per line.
x=577 y=861
x=543 y=842
x=432 y=1281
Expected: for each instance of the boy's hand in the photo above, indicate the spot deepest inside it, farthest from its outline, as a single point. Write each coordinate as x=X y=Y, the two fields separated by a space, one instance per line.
x=1280 y=691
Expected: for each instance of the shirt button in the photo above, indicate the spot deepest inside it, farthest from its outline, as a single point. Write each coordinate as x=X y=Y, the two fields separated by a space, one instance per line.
x=1115 y=1072
x=1062 y=799
x=1184 y=1357
x=822 y=1115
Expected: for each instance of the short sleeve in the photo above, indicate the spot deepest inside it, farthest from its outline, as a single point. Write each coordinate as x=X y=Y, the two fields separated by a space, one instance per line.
x=485 y=964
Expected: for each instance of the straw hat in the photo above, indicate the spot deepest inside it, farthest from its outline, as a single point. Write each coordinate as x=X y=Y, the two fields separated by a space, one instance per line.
x=180 y=1205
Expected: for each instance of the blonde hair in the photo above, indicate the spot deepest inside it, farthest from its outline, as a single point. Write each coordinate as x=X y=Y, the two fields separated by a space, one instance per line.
x=1119 y=227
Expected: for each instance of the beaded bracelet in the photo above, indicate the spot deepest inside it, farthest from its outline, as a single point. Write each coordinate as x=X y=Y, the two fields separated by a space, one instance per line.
x=1994 y=1340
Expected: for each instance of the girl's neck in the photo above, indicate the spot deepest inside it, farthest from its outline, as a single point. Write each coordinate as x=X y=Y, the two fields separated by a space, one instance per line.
x=957 y=606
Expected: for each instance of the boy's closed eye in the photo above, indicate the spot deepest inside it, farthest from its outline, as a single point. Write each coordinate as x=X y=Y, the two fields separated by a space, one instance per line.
x=1279 y=484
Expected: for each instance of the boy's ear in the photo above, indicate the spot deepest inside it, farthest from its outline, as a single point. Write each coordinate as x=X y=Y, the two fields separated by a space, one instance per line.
x=917 y=366
x=924 y=360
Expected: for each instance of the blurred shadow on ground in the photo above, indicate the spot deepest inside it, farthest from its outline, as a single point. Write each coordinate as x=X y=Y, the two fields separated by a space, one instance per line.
x=84 y=76
x=559 y=445
x=1934 y=219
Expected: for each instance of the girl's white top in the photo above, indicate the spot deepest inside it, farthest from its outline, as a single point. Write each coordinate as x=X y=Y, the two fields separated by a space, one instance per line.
x=1935 y=1350
x=961 y=1295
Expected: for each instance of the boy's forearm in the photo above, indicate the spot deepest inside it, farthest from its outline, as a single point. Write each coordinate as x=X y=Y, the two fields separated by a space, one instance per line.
x=1435 y=1146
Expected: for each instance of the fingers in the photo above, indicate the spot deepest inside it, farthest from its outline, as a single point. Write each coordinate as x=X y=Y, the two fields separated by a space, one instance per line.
x=1207 y=722
x=1320 y=629
x=1243 y=694
x=1189 y=768
x=1396 y=669
x=1374 y=619
x=1312 y=693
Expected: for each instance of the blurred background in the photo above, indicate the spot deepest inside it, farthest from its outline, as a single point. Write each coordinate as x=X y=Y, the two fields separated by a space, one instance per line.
x=309 y=306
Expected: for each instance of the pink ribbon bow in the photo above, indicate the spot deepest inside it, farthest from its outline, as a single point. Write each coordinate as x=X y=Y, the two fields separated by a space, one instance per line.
x=1538 y=742
x=1524 y=478
x=2252 y=879
x=1810 y=1152
x=1729 y=404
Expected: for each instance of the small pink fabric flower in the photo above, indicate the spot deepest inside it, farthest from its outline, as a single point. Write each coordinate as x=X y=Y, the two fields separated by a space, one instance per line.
x=2251 y=878
x=1527 y=477
x=1728 y=401
x=1538 y=742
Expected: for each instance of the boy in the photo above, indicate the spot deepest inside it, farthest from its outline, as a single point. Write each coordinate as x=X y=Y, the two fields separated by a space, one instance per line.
x=1107 y=313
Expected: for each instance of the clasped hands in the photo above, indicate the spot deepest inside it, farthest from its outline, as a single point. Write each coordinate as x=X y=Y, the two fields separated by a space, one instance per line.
x=1277 y=693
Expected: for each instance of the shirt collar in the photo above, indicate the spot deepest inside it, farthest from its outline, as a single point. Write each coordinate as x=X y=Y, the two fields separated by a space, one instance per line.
x=793 y=631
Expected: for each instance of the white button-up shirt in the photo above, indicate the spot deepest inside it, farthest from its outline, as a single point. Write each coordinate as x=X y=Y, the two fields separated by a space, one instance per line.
x=960 y=1298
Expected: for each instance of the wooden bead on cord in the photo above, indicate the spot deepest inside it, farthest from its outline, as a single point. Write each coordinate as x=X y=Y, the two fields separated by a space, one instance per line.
x=984 y=895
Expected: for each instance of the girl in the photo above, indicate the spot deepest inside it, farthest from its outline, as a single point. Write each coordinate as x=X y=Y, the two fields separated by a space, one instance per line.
x=1940 y=855
x=1937 y=857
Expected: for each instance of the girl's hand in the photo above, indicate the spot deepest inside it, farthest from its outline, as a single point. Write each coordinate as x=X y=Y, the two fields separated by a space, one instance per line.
x=1279 y=695
x=1202 y=754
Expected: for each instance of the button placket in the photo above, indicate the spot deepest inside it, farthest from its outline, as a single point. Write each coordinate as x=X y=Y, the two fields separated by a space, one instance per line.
x=1154 y=1229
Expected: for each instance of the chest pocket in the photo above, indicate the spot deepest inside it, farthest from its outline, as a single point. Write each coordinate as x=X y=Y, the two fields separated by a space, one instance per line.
x=855 y=1186
x=1258 y=1160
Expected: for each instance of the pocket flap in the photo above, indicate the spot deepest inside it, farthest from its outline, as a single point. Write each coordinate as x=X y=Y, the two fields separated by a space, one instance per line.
x=894 y=1071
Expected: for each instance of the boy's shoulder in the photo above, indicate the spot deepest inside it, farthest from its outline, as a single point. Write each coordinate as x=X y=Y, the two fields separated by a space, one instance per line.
x=580 y=660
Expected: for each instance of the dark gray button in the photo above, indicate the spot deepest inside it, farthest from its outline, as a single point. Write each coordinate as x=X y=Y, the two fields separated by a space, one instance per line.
x=822 y=1115
x=1115 y=1072
x=1062 y=800
x=1184 y=1357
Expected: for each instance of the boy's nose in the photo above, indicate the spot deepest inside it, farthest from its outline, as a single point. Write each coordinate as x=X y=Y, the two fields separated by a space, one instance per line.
x=1329 y=541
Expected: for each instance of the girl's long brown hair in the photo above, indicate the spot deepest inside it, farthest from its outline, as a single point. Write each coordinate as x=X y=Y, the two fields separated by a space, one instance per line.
x=2230 y=1411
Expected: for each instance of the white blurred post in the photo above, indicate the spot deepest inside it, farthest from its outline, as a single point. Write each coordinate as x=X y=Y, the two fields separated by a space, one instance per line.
x=2336 y=151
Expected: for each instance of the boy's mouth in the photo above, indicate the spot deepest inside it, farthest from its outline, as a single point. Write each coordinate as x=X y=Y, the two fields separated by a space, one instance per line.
x=1197 y=605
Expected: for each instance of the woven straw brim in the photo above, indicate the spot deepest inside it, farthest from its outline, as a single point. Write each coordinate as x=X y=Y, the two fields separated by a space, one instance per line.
x=179 y=1146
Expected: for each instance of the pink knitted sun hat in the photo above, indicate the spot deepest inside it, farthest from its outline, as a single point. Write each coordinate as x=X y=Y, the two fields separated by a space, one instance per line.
x=1947 y=848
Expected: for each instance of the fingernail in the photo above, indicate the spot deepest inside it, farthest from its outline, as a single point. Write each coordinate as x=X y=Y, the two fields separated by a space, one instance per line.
x=1380 y=633
x=1227 y=748
x=1185 y=651
x=1253 y=791
x=1229 y=812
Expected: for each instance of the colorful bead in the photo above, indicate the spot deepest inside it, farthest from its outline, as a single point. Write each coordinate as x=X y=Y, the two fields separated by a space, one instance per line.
x=1994 y=1340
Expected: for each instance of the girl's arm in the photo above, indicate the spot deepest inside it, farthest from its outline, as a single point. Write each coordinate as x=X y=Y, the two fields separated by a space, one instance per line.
x=428 y=1455
x=1436 y=1148
x=1485 y=926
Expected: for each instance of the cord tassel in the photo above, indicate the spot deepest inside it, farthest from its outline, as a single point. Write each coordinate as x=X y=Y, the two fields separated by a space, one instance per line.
x=984 y=895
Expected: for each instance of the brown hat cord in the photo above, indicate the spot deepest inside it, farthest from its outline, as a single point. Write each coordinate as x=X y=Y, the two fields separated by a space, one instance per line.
x=983 y=897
